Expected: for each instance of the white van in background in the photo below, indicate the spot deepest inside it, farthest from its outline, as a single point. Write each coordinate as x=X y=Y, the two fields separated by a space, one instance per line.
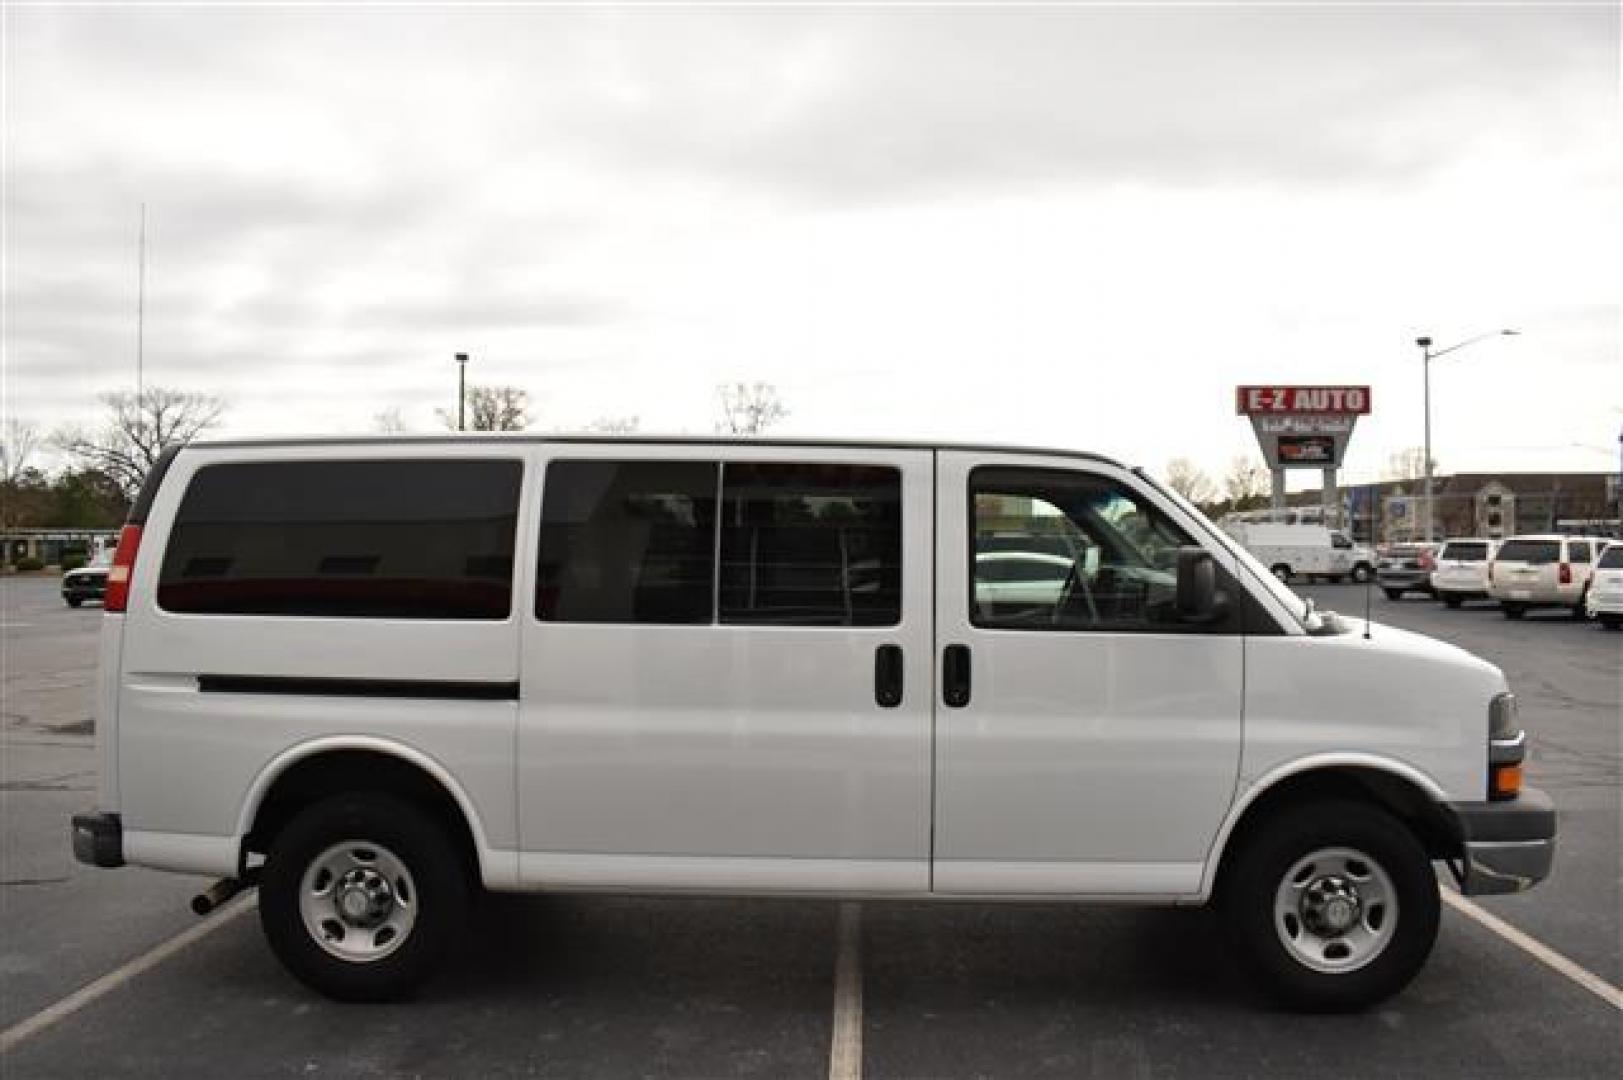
x=1305 y=551
x=372 y=676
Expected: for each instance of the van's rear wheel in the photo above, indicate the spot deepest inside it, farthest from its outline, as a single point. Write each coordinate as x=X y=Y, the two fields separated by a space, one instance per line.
x=1362 y=573
x=1333 y=905
x=1513 y=611
x=1281 y=571
x=362 y=895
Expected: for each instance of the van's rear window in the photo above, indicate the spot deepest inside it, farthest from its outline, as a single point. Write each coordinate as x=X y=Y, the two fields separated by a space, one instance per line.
x=1530 y=551
x=397 y=539
x=1465 y=551
x=1611 y=558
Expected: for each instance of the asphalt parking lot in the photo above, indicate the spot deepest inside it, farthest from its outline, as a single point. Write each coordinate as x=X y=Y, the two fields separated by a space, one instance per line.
x=612 y=987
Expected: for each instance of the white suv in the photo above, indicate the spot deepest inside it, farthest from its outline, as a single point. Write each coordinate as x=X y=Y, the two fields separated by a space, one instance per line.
x=1545 y=570
x=1606 y=588
x=1461 y=573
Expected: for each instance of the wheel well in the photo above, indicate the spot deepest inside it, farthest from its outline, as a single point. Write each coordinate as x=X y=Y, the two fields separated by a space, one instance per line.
x=1411 y=805
x=349 y=771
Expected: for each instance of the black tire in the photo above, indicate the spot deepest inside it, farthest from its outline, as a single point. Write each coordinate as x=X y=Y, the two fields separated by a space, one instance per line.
x=1337 y=579
x=1256 y=873
x=1281 y=571
x=1453 y=601
x=1580 y=610
x=74 y=601
x=1611 y=622
x=1362 y=573
x=1393 y=594
x=438 y=878
x=1513 y=611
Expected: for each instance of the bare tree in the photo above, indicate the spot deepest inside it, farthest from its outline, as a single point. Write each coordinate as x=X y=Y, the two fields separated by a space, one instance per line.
x=389 y=421
x=137 y=429
x=1247 y=482
x=1188 y=481
x=493 y=408
x=615 y=425
x=18 y=441
x=748 y=408
x=1408 y=464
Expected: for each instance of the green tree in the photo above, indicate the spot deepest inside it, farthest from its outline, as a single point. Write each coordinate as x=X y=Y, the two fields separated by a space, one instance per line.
x=87 y=499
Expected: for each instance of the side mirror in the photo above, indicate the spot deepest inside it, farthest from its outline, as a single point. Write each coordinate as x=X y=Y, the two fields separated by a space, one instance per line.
x=1198 y=599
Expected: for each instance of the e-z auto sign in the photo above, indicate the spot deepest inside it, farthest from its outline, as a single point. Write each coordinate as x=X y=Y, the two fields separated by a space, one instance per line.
x=1303 y=400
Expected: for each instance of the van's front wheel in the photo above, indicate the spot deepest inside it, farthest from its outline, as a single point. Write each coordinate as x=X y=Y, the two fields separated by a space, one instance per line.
x=1335 y=906
x=362 y=895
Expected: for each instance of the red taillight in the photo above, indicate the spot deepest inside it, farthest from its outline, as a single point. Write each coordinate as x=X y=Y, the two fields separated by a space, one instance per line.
x=1427 y=562
x=1566 y=574
x=118 y=576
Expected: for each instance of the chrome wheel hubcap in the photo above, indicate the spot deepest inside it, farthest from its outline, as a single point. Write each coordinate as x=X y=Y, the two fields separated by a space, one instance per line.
x=358 y=901
x=1336 y=910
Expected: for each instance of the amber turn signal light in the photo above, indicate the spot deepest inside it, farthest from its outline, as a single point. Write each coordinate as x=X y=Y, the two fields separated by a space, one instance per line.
x=1505 y=781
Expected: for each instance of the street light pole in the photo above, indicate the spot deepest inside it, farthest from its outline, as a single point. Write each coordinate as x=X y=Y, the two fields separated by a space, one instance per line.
x=461 y=391
x=1426 y=357
x=1425 y=461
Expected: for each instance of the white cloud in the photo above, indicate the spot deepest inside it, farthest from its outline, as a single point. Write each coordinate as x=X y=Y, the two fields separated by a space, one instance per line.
x=1077 y=227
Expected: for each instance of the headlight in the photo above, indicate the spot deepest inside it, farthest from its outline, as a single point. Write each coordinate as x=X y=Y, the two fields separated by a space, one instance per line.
x=1507 y=748
x=1503 y=718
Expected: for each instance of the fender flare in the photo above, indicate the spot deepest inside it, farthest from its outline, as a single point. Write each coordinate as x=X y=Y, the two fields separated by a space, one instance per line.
x=490 y=869
x=1297 y=767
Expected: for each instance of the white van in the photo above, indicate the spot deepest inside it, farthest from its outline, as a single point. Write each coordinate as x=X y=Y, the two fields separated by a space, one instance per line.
x=1307 y=551
x=373 y=676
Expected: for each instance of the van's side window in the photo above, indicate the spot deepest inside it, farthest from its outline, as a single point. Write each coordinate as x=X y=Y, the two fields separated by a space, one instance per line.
x=1111 y=556
x=627 y=542
x=397 y=539
x=811 y=545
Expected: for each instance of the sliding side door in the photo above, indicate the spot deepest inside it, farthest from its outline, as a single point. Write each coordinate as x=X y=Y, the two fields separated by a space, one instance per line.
x=726 y=670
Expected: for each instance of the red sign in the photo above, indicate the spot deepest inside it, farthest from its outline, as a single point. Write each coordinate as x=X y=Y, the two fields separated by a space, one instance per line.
x=1310 y=400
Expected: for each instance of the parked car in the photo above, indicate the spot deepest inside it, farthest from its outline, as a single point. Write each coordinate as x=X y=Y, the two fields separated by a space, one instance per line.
x=1019 y=577
x=1406 y=568
x=1461 y=572
x=88 y=582
x=1547 y=570
x=1606 y=587
x=401 y=670
x=1305 y=551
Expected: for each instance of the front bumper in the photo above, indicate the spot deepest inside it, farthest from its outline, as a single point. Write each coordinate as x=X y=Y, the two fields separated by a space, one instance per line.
x=1506 y=847
x=98 y=839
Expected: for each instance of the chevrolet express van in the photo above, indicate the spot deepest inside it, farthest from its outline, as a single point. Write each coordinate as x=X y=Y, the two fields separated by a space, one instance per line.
x=372 y=676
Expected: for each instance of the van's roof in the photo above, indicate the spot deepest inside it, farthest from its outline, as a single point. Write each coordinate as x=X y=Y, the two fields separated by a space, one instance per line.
x=638 y=439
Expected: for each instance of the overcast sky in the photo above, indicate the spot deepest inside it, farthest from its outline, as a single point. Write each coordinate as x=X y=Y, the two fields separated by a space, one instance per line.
x=1063 y=226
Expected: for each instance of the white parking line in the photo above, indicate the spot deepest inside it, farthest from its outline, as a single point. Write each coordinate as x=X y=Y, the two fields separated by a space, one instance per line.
x=1536 y=949
x=845 y=1047
x=93 y=992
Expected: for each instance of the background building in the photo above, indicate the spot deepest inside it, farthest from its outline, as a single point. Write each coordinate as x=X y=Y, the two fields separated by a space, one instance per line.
x=1483 y=504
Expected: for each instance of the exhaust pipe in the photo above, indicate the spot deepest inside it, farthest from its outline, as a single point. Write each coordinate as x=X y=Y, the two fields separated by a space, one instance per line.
x=218 y=894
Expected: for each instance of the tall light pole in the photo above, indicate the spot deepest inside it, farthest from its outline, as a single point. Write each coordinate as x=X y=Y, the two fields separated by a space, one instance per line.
x=461 y=391
x=1427 y=355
